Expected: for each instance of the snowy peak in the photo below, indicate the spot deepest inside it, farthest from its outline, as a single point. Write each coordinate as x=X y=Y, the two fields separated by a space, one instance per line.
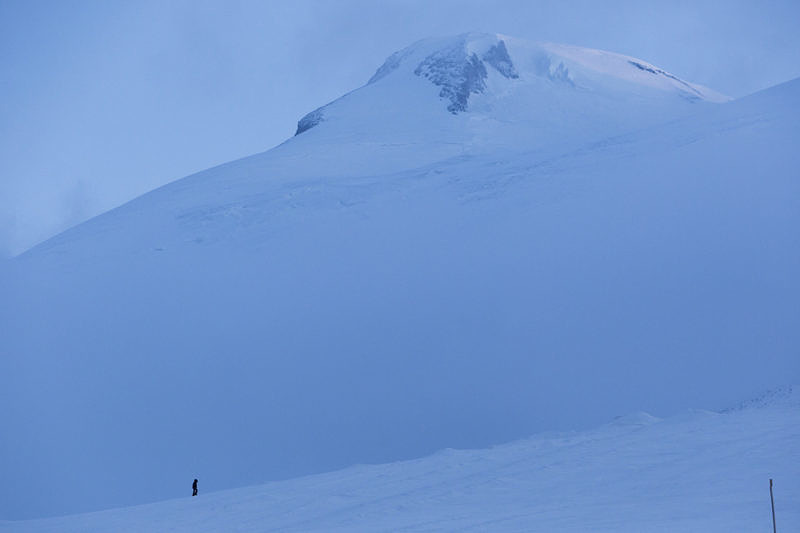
x=461 y=65
x=498 y=67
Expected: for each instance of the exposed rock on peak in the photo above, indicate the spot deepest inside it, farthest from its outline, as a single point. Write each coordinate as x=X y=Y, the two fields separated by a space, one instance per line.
x=497 y=56
x=457 y=73
x=460 y=73
x=786 y=396
x=310 y=120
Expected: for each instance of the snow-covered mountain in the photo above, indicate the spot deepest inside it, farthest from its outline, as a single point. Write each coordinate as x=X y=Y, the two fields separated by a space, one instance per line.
x=500 y=94
x=489 y=239
x=696 y=471
x=476 y=73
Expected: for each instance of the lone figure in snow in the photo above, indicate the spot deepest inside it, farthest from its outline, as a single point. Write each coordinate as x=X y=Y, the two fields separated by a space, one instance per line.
x=194 y=488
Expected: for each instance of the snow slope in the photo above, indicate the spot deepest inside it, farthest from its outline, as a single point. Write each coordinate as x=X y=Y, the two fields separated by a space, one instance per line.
x=401 y=278
x=698 y=471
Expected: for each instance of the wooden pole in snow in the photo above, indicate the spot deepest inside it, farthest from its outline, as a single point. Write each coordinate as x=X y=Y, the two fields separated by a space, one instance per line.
x=772 y=500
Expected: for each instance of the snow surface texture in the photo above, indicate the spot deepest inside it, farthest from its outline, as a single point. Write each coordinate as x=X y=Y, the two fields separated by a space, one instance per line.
x=699 y=471
x=400 y=279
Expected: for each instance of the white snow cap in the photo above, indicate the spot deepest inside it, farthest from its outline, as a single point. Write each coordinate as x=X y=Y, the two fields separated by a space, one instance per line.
x=471 y=64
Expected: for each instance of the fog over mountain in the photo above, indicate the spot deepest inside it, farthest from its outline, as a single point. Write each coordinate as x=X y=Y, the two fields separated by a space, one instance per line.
x=491 y=238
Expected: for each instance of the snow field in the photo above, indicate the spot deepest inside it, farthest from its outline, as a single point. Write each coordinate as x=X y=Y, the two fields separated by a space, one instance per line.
x=699 y=471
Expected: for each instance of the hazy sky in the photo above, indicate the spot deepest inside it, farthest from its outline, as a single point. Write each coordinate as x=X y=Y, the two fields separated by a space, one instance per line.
x=101 y=101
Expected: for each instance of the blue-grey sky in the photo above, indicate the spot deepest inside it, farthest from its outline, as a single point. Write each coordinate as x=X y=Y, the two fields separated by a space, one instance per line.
x=101 y=101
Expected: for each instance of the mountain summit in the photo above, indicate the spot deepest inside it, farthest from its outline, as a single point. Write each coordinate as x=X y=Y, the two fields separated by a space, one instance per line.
x=478 y=93
x=504 y=78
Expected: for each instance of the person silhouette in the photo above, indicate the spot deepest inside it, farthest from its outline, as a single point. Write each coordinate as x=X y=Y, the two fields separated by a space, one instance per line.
x=194 y=488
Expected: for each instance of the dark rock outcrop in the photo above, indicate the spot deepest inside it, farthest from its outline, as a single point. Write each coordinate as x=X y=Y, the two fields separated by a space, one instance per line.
x=309 y=121
x=497 y=56
x=458 y=75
